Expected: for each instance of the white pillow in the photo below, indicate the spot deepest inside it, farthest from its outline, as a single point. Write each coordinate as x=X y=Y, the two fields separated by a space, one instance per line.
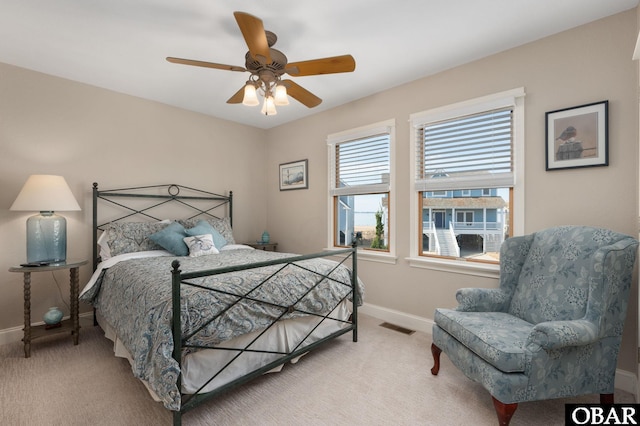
x=200 y=245
x=105 y=251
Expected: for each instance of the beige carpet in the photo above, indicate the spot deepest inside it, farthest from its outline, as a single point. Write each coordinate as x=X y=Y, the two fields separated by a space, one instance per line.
x=383 y=379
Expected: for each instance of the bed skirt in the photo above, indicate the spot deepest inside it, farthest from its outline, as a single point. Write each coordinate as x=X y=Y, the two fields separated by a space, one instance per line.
x=282 y=337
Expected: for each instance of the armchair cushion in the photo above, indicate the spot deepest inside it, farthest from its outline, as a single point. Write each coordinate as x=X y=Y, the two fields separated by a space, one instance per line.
x=496 y=337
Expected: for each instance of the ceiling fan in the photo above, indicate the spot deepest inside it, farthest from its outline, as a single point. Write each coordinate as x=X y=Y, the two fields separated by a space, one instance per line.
x=267 y=66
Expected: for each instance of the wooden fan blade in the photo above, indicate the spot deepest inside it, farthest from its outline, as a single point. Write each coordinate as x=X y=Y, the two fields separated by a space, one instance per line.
x=301 y=94
x=332 y=65
x=237 y=97
x=205 y=64
x=253 y=32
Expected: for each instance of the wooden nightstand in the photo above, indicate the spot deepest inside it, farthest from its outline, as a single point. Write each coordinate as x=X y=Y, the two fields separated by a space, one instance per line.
x=263 y=246
x=32 y=332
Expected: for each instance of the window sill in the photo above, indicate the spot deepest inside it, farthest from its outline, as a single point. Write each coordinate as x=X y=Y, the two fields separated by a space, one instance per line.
x=377 y=257
x=456 y=266
x=370 y=256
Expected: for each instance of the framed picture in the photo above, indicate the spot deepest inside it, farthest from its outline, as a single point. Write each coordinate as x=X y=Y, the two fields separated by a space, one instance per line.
x=577 y=137
x=294 y=175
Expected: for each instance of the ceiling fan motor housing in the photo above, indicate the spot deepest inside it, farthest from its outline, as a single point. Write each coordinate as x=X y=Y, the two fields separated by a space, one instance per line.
x=269 y=73
x=277 y=65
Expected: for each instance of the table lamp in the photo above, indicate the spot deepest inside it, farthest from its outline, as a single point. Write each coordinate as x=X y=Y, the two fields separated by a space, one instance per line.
x=46 y=231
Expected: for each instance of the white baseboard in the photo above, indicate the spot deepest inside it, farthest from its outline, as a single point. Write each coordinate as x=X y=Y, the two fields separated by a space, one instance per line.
x=625 y=380
x=15 y=334
x=11 y=335
x=402 y=319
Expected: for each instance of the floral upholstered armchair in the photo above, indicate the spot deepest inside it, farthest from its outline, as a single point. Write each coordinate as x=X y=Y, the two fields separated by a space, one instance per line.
x=553 y=327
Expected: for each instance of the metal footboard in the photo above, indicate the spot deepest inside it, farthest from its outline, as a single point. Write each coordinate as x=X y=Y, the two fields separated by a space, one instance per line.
x=157 y=202
x=180 y=341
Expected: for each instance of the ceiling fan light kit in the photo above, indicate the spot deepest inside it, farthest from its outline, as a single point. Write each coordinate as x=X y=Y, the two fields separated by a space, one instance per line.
x=267 y=66
x=272 y=97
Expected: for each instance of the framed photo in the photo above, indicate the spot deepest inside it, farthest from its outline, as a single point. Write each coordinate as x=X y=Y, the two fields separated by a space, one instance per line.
x=577 y=137
x=294 y=175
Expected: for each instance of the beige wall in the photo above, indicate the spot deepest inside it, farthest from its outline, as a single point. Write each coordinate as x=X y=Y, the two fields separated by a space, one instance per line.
x=51 y=125
x=584 y=65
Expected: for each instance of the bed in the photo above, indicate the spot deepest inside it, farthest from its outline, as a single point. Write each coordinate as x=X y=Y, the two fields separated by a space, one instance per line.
x=197 y=314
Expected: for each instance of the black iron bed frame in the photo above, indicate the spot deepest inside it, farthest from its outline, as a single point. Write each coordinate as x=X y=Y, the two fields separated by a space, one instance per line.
x=156 y=197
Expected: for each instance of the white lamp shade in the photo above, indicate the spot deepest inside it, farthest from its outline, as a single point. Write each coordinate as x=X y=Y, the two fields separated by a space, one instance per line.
x=281 y=95
x=269 y=108
x=45 y=193
x=250 y=96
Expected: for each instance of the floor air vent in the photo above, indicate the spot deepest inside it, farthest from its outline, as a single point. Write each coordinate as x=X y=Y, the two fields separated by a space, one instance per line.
x=397 y=328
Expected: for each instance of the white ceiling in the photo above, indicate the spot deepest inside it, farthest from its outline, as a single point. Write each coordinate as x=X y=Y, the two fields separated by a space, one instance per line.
x=121 y=45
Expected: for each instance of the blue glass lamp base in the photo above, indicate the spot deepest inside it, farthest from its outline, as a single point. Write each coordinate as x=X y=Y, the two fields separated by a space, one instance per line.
x=46 y=238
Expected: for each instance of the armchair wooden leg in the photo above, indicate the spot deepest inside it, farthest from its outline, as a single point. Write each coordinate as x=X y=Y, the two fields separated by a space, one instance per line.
x=606 y=398
x=436 y=351
x=504 y=411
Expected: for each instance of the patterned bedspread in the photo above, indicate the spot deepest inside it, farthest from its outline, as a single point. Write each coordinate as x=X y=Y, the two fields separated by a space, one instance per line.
x=134 y=296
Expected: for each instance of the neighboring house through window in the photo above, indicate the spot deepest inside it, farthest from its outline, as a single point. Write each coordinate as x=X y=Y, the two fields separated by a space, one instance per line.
x=467 y=169
x=360 y=187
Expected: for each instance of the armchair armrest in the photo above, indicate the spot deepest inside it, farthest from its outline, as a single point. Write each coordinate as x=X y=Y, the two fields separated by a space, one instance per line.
x=560 y=334
x=482 y=300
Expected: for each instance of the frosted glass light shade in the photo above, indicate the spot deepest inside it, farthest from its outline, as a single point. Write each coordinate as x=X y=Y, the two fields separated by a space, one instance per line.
x=281 y=95
x=46 y=232
x=250 y=96
x=269 y=108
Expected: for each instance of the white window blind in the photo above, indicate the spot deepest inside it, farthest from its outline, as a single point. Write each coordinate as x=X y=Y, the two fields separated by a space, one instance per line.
x=472 y=151
x=361 y=166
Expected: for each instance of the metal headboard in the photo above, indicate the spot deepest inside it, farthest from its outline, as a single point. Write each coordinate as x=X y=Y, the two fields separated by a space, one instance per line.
x=158 y=195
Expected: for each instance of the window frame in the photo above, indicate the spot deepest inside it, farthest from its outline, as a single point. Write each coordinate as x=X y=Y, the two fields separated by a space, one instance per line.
x=511 y=98
x=465 y=218
x=382 y=127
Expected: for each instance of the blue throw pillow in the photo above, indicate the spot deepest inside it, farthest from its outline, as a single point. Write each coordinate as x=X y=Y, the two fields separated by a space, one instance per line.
x=202 y=228
x=171 y=239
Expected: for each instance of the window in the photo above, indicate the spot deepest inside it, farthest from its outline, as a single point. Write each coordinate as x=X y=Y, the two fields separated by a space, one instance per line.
x=360 y=188
x=471 y=151
x=465 y=217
